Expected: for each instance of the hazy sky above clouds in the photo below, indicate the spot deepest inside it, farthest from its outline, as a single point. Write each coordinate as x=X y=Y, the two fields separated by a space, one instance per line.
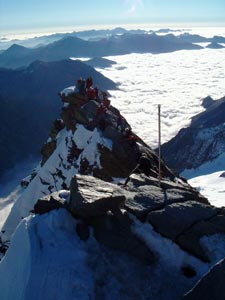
x=27 y=15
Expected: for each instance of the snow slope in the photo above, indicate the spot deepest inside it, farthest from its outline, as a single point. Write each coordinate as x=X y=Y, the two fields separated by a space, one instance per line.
x=48 y=261
x=56 y=171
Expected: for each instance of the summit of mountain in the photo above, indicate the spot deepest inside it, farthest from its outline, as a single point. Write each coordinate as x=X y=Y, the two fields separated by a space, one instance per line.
x=79 y=222
x=29 y=93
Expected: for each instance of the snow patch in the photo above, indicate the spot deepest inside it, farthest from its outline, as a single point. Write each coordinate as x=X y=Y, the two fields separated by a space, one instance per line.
x=214 y=245
x=169 y=253
x=89 y=140
x=47 y=260
x=211 y=186
x=68 y=90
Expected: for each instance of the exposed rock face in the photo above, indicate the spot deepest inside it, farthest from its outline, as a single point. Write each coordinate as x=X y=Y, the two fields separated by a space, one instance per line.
x=202 y=141
x=176 y=212
x=50 y=202
x=207 y=102
x=93 y=197
x=211 y=286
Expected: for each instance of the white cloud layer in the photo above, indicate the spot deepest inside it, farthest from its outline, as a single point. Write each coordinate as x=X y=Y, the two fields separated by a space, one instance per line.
x=178 y=81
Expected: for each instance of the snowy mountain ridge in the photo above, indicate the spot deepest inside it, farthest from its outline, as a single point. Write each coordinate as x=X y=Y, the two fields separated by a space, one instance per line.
x=91 y=238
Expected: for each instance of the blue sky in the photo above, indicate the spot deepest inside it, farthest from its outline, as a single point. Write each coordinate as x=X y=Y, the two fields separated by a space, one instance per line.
x=28 y=15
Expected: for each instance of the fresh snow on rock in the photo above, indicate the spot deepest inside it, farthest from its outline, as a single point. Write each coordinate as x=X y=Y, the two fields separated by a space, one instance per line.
x=88 y=140
x=207 y=180
x=170 y=254
x=211 y=186
x=47 y=174
x=48 y=261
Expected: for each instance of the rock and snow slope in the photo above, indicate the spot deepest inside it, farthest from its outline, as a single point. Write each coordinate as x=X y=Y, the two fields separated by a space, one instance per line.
x=198 y=151
x=199 y=143
x=141 y=242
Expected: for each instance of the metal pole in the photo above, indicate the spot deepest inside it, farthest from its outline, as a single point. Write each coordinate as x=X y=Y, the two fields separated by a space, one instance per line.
x=159 y=146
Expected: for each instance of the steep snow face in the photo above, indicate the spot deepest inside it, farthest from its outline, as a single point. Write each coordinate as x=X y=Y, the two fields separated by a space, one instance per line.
x=46 y=260
x=208 y=181
x=90 y=144
x=58 y=170
x=211 y=186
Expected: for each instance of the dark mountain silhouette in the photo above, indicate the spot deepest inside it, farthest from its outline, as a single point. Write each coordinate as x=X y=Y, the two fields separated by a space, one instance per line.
x=86 y=35
x=27 y=94
x=214 y=46
x=202 y=141
x=75 y=47
x=99 y=62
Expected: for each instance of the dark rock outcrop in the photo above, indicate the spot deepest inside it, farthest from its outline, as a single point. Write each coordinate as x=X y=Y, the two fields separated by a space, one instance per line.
x=92 y=197
x=180 y=216
x=49 y=202
x=207 y=102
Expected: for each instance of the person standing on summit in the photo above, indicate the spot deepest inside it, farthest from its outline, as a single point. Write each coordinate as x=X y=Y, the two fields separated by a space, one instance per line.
x=143 y=166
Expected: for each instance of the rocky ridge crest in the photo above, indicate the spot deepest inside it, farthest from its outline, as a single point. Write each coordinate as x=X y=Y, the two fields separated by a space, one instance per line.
x=85 y=163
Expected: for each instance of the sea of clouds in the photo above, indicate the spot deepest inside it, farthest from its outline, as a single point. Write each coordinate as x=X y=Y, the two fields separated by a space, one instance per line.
x=178 y=81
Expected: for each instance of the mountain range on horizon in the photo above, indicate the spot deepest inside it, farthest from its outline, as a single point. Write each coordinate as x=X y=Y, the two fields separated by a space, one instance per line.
x=71 y=46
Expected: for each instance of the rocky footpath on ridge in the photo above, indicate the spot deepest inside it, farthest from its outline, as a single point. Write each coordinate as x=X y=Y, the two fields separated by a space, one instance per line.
x=145 y=239
x=201 y=142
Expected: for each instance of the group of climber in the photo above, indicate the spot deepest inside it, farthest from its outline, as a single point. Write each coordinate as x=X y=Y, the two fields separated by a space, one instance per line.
x=85 y=88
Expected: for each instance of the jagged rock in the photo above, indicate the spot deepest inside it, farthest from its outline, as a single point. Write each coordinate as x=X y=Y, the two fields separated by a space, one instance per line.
x=176 y=218
x=112 y=133
x=71 y=115
x=90 y=109
x=112 y=165
x=207 y=102
x=49 y=202
x=114 y=231
x=74 y=99
x=222 y=175
x=211 y=286
x=58 y=125
x=145 y=201
x=47 y=150
x=146 y=195
x=93 y=197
